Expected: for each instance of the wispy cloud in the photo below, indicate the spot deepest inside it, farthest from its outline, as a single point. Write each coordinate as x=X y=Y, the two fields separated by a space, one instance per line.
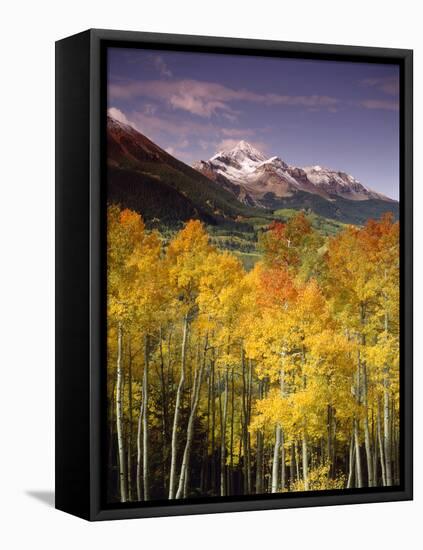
x=162 y=67
x=118 y=115
x=387 y=85
x=185 y=134
x=150 y=109
x=384 y=104
x=206 y=99
x=227 y=144
x=156 y=125
x=240 y=133
x=150 y=123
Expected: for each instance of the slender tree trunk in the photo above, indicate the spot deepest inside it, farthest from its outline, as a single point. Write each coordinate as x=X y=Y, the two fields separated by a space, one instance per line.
x=244 y=424
x=359 y=475
x=119 y=419
x=305 y=462
x=387 y=419
x=145 y=442
x=129 y=467
x=164 y=412
x=367 y=440
x=329 y=440
x=259 y=451
x=174 y=449
x=112 y=425
x=183 y=478
x=375 y=449
x=213 y=430
x=249 y=399
x=205 y=464
x=387 y=430
x=292 y=468
x=223 y=411
x=395 y=442
x=231 y=450
x=275 y=462
x=283 y=468
x=139 y=450
x=297 y=461
x=351 y=462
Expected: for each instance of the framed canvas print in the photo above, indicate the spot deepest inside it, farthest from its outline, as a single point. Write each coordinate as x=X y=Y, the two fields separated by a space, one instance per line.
x=234 y=275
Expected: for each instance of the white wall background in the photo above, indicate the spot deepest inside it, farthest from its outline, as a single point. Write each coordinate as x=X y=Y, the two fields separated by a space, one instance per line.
x=29 y=29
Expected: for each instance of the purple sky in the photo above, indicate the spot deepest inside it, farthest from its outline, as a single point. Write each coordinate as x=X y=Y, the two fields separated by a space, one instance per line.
x=338 y=115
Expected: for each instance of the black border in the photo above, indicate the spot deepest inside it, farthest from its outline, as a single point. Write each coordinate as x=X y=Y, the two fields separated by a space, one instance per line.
x=99 y=40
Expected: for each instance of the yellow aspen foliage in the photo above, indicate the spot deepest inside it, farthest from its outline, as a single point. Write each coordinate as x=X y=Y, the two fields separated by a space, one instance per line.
x=284 y=377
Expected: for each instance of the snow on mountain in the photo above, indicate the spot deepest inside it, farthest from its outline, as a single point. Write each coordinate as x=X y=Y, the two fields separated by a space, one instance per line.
x=237 y=163
x=256 y=175
x=339 y=183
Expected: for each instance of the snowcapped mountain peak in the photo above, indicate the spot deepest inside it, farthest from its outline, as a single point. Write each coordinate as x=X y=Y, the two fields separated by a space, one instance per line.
x=316 y=168
x=118 y=124
x=275 y=162
x=259 y=177
x=245 y=149
x=238 y=163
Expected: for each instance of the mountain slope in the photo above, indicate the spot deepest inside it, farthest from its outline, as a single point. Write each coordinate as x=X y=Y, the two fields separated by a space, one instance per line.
x=231 y=189
x=272 y=183
x=144 y=177
x=339 y=209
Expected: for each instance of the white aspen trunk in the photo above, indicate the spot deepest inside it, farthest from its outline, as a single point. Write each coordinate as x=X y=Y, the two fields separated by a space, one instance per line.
x=329 y=440
x=292 y=467
x=359 y=475
x=279 y=442
x=230 y=488
x=381 y=450
x=394 y=445
x=223 y=441
x=119 y=419
x=182 y=487
x=351 y=463
x=259 y=449
x=145 y=469
x=305 y=462
x=174 y=447
x=387 y=431
x=358 y=472
x=164 y=410
x=129 y=443
x=244 y=425
x=275 y=463
x=183 y=475
x=213 y=425
x=375 y=455
x=283 y=469
x=367 y=440
x=369 y=452
x=139 y=451
x=297 y=460
x=249 y=397
x=387 y=419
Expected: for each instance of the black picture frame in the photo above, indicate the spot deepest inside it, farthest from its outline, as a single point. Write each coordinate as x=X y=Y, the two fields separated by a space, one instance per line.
x=80 y=272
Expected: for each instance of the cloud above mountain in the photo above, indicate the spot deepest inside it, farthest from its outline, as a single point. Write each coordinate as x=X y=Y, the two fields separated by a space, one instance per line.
x=205 y=99
x=311 y=111
x=387 y=85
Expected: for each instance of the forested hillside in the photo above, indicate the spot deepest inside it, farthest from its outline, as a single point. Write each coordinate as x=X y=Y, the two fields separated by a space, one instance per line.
x=223 y=381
